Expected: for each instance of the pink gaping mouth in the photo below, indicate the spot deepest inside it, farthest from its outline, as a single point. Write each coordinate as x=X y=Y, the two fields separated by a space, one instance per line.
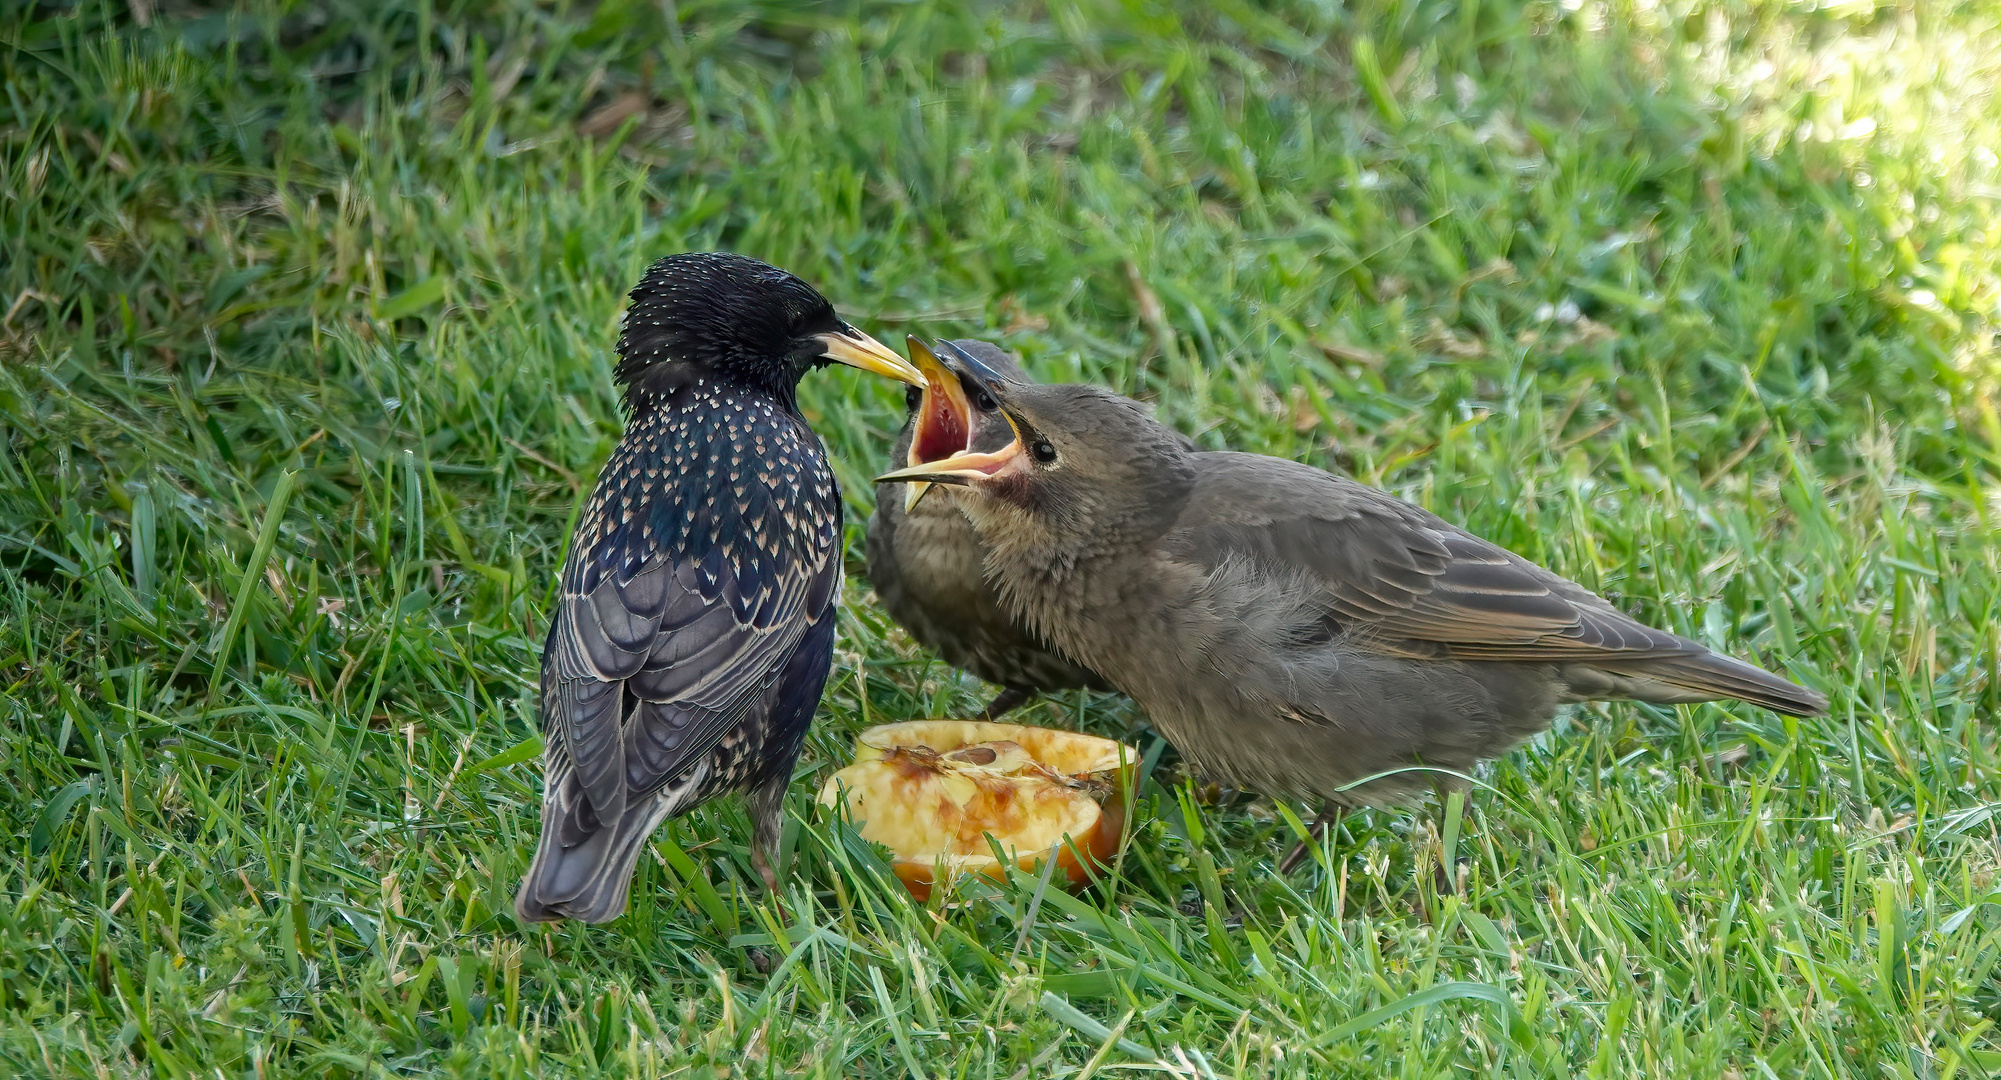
x=944 y=419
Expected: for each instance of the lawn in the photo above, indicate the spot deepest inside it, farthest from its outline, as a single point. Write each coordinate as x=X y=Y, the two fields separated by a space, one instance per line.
x=306 y=365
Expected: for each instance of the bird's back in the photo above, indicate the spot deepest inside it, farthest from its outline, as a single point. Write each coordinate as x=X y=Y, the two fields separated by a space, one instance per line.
x=1312 y=631
x=1405 y=582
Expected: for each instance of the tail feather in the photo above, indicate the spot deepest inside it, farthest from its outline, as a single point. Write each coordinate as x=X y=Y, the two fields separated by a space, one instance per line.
x=1703 y=676
x=583 y=867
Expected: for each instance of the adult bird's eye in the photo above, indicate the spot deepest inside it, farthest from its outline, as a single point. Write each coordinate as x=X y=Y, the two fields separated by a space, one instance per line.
x=1043 y=452
x=911 y=396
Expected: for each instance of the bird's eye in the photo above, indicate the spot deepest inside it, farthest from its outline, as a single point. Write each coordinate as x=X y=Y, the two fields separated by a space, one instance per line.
x=984 y=401
x=1043 y=452
x=911 y=396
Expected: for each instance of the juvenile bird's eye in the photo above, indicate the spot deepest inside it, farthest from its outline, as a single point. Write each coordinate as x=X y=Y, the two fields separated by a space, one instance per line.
x=1043 y=452
x=984 y=401
x=911 y=396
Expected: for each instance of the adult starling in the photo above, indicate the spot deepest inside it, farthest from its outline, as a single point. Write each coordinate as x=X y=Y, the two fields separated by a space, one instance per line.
x=695 y=625
x=1290 y=630
x=925 y=560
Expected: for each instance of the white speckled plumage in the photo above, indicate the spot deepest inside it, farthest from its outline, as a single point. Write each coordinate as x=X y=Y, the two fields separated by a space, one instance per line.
x=694 y=628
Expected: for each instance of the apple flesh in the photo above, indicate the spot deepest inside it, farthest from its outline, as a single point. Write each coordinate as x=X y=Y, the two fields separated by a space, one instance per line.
x=934 y=791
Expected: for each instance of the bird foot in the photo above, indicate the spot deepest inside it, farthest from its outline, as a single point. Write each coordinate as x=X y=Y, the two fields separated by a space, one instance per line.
x=1328 y=815
x=762 y=864
x=1003 y=703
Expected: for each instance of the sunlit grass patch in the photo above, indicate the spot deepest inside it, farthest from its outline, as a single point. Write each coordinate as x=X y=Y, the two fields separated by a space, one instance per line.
x=1696 y=304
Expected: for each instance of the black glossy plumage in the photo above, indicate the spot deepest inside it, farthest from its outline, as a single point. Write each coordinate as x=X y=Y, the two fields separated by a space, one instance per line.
x=694 y=630
x=925 y=564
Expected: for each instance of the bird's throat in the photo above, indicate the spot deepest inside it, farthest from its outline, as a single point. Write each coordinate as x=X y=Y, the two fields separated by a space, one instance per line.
x=941 y=430
x=1041 y=582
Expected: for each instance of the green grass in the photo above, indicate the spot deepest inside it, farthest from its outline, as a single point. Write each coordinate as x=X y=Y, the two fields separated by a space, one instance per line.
x=306 y=364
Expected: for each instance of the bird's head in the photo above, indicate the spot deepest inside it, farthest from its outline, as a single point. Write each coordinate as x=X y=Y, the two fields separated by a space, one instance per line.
x=946 y=409
x=738 y=320
x=1067 y=462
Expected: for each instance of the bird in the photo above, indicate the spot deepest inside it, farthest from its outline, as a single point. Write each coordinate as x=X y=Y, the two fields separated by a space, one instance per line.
x=694 y=626
x=926 y=562
x=1288 y=630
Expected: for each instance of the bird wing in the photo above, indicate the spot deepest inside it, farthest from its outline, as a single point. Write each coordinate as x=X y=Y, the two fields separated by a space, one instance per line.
x=1397 y=577
x=692 y=581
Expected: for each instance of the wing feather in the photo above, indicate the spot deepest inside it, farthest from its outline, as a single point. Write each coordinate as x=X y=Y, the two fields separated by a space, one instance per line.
x=1399 y=578
x=686 y=596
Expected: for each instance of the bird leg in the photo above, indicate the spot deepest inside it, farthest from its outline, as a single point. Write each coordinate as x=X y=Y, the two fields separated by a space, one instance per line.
x=767 y=821
x=763 y=959
x=1329 y=815
x=767 y=829
x=1005 y=702
x=762 y=864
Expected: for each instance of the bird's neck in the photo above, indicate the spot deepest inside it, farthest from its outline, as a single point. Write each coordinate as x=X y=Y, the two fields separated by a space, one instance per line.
x=689 y=384
x=1071 y=590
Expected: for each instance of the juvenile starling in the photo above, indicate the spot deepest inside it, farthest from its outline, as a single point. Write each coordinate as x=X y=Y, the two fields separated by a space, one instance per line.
x=925 y=560
x=1286 y=629
x=695 y=625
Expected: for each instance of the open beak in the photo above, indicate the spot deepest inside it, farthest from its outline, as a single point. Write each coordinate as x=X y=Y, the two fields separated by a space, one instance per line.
x=961 y=469
x=944 y=421
x=965 y=467
x=856 y=349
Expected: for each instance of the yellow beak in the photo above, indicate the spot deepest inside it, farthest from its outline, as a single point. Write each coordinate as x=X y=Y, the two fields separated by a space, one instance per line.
x=856 y=349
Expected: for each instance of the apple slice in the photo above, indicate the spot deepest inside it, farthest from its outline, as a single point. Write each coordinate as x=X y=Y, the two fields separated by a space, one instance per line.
x=932 y=791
